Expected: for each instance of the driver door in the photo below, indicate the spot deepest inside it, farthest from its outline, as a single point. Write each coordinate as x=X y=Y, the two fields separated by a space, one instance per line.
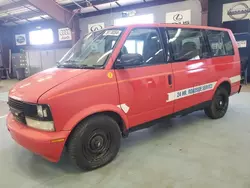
x=144 y=87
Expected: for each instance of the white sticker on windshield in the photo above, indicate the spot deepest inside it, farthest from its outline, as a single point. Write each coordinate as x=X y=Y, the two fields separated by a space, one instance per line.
x=112 y=33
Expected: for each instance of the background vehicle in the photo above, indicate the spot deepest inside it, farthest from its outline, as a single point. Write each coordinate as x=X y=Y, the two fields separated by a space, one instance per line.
x=119 y=79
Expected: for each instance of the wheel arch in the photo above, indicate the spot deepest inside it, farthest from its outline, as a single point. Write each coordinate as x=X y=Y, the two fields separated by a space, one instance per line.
x=109 y=110
x=225 y=83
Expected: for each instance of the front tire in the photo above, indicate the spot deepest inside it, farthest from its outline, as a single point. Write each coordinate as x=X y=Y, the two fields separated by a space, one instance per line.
x=94 y=142
x=219 y=105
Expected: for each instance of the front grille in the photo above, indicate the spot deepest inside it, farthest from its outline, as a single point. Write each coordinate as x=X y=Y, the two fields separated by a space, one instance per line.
x=18 y=105
x=20 y=110
x=20 y=118
x=17 y=109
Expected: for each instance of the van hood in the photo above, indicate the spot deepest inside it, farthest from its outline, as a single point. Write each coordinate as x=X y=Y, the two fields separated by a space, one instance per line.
x=30 y=89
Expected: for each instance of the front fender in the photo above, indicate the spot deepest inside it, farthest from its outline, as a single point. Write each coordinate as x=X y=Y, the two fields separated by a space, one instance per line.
x=92 y=110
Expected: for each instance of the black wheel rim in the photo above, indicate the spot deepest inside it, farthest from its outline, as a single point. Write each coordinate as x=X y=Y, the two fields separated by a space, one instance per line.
x=97 y=145
x=221 y=103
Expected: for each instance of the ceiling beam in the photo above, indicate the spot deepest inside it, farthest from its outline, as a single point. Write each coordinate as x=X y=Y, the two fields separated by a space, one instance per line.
x=54 y=10
x=85 y=4
x=23 y=16
x=118 y=4
x=13 y=5
x=18 y=18
x=129 y=7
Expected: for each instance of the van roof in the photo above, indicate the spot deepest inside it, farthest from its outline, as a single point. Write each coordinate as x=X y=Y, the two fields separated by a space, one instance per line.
x=174 y=26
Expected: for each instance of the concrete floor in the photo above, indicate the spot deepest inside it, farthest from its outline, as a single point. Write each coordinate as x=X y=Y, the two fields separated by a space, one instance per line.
x=188 y=152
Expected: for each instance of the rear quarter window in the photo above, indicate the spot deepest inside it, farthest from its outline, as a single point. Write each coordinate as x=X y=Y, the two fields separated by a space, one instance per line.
x=220 y=43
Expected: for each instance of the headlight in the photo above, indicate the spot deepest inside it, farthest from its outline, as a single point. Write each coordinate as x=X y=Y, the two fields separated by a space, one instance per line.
x=42 y=111
x=39 y=117
x=41 y=125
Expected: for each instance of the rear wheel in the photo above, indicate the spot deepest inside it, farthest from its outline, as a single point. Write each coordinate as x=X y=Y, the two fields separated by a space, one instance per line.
x=219 y=104
x=95 y=142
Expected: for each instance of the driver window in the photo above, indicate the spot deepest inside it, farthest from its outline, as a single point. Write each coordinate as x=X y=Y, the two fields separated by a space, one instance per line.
x=147 y=43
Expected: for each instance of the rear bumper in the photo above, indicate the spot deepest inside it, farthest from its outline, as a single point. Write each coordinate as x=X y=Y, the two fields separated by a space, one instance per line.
x=235 y=89
x=39 y=142
x=240 y=89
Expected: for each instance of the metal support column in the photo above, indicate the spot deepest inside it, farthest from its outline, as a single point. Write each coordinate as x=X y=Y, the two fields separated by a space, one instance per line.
x=76 y=32
x=204 y=12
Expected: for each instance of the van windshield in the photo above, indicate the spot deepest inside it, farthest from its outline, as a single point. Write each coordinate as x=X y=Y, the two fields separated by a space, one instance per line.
x=92 y=51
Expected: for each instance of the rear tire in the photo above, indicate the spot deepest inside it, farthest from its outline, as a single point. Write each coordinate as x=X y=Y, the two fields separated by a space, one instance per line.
x=219 y=105
x=94 y=142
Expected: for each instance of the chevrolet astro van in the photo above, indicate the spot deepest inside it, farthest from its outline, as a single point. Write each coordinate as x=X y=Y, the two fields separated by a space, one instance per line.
x=118 y=80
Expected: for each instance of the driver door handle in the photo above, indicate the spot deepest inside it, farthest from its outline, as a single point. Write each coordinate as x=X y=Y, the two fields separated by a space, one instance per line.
x=170 y=81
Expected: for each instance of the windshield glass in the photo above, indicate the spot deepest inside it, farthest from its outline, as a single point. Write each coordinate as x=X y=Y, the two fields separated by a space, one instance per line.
x=92 y=50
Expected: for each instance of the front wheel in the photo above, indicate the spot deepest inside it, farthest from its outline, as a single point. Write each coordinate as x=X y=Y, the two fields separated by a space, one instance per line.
x=94 y=142
x=219 y=105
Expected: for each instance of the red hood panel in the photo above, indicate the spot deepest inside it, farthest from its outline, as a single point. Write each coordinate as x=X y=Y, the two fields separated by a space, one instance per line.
x=30 y=89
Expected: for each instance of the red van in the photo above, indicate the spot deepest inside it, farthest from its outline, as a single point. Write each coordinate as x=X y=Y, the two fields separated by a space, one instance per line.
x=120 y=79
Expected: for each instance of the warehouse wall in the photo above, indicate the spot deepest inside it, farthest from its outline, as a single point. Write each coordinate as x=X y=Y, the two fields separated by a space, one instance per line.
x=158 y=11
x=215 y=8
x=26 y=28
x=39 y=57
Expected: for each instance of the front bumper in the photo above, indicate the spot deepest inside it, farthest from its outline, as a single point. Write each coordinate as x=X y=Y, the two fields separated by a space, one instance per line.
x=47 y=144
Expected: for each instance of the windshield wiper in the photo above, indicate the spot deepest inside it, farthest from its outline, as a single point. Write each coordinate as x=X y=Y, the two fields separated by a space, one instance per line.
x=90 y=66
x=86 y=67
x=66 y=66
x=78 y=66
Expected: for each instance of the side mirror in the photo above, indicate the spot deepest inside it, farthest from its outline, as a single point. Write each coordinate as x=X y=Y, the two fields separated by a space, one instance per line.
x=129 y=60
